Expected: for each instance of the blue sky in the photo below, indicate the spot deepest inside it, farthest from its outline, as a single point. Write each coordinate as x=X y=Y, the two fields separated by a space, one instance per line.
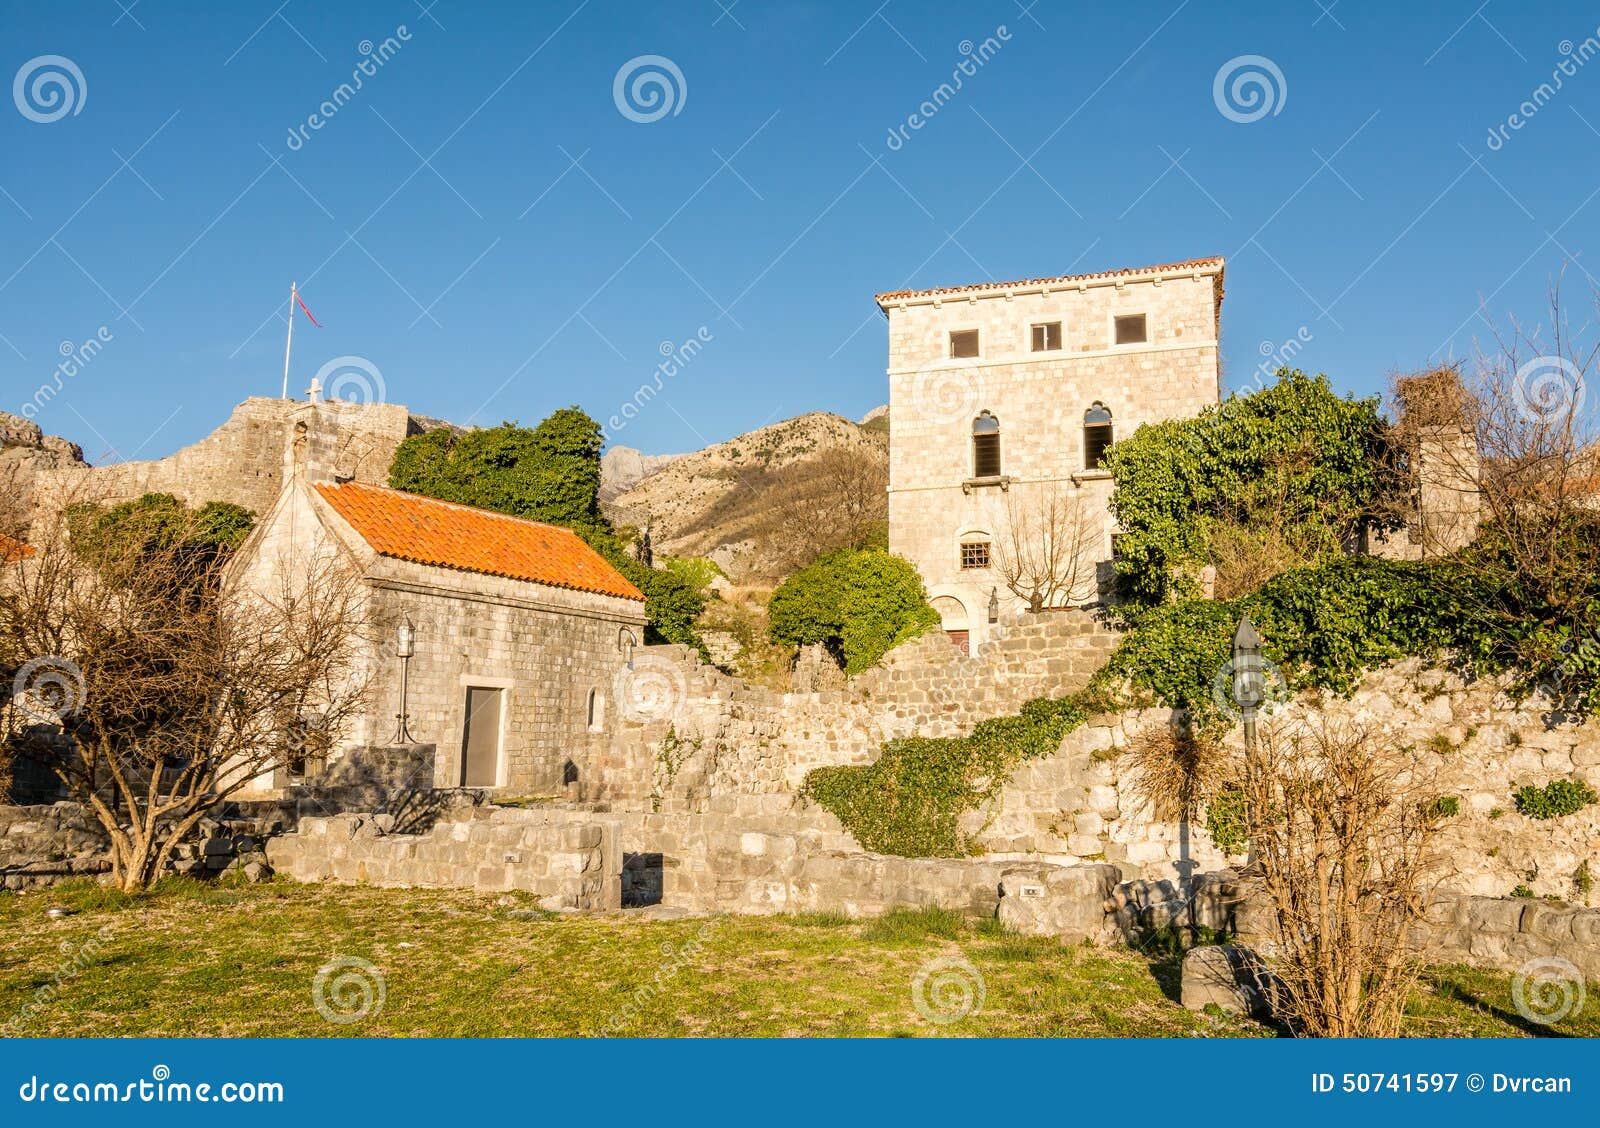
x=485 y=227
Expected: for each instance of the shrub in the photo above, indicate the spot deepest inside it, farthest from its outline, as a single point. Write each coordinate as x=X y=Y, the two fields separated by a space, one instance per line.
x=1557 y=798
x=860 y=604
x=1226 y=821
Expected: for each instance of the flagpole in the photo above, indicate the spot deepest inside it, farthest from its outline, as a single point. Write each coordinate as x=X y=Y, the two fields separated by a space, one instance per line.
x=290 y=342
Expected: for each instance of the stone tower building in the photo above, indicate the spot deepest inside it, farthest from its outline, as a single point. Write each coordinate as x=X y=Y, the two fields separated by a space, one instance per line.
x=1003 y=397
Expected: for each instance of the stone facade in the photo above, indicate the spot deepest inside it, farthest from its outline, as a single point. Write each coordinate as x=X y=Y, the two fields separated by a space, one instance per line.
x=937 y=502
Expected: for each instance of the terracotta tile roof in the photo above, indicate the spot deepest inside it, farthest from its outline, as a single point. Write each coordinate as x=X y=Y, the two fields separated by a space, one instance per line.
x=1028 y=283
x=423 y=530
x=12 y=550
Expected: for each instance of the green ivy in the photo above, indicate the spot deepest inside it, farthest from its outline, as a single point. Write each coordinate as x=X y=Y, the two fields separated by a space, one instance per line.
x=1296 y=450
x=1226 y=821
x=1557 y=798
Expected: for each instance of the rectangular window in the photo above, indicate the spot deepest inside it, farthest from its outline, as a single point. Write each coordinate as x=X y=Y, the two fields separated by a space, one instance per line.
x=1131 y=329
x=985 y=456
x=974 y=554
x=1096 y=441
x=964 y=343
x=1047 y=337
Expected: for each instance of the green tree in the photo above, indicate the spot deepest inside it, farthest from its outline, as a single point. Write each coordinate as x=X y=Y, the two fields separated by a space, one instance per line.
x=1295 y=460
x=860 y=604
x=548 y=473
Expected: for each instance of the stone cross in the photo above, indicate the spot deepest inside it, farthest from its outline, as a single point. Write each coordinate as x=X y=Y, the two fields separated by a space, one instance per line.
x=315 y=389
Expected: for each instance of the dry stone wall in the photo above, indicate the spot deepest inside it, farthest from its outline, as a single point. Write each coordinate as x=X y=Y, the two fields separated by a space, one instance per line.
x=718 y=736
x=1082 y=804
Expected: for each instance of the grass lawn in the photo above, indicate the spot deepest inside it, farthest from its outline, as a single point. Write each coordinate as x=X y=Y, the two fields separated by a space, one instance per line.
x=240 y=960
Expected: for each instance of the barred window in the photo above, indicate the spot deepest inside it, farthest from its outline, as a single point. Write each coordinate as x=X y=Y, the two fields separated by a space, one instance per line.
x=974 y=554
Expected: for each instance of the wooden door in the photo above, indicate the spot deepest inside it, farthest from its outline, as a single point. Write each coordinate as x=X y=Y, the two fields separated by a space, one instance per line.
x=480 y=742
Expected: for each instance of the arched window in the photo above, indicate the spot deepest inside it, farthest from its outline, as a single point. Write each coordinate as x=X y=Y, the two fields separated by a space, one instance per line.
x=1096 y=435
x=986 y=446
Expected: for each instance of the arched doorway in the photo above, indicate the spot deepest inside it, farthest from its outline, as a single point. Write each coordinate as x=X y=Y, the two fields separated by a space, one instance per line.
x=953 y=618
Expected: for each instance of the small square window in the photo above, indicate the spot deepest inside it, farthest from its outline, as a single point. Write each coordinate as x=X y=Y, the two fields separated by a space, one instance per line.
x=974 y=554
x=1131 y=329
x=964 y=343
x=1047 y=337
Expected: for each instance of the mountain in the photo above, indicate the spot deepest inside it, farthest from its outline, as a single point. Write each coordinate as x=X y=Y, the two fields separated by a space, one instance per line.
x=759 y=502
x=622 y=468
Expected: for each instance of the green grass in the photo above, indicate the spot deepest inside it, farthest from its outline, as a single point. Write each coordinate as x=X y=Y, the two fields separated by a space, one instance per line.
x=240 y=960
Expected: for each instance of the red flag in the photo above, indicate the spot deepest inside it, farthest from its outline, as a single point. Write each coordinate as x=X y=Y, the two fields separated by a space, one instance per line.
x=314 y=321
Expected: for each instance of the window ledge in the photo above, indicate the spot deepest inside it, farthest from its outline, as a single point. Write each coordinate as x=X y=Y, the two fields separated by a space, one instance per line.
x=1001 y=480
x=1091 y=476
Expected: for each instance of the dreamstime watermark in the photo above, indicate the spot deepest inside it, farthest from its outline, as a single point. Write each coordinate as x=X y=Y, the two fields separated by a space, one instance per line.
x=674 y=958
x=352 y=381
x=649 y=689
x=374 y=57
x=975 y=55
x=49 y=87
x=48 y=690
x=1251 y=684
x=674 y=359
x=348 y=989
x=948 y=989
x=158 y=1088
x=1279 y=356
x=649 y=87
x=1575 y=56
x=1547 y=389
x=74 y=358
x=944 y=393
x=1547 y=990
x=1249 y=87
x=79 y=956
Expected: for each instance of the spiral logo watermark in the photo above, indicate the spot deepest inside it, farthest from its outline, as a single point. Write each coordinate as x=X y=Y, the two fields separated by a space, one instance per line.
x=348 y=990
x=48 y=88
x=1248 y=88
x=1248 y=686
x=48 y=690
x=948 y=989
x=945 y=394
x=161 y=1073
x=650 y=689
x=648 y=88
x=1548 y=388
x=1547 y=990
x=352 y=380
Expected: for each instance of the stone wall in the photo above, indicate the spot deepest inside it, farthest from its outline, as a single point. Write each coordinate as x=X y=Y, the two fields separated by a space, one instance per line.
x=1082 y=803
x=242 y=461
x=706 y=734
x=1039 y=399
x=43 y=844
x=565 y=863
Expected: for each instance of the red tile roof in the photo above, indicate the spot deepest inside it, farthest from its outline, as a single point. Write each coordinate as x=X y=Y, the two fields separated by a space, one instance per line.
x=12 y=550
x=985 y=287
x=424 y=530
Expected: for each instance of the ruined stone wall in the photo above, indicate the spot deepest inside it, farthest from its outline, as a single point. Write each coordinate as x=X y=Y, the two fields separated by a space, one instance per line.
x=46 y=843
x=566 y=864
x=243 y=460
x=687 y=733
x=1082 y=803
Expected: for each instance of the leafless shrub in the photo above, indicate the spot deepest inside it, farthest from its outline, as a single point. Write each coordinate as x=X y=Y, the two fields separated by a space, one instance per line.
x=1343 y=828
x=1176 y=771
x=837 y=500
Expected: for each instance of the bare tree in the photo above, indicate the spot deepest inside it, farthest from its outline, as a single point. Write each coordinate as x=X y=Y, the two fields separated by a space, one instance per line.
x=1343 y=829
x=1045 y=554
x=153 y=691
x=837 y=500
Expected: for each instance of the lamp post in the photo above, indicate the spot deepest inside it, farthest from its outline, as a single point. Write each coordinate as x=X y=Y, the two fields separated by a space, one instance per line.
x=405 y=647
x=1249 y=684
x=994 y=605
